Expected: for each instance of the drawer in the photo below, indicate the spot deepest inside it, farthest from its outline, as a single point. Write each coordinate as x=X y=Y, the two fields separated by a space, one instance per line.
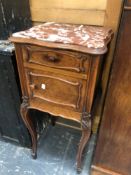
x=55 y=89
x=56 y=58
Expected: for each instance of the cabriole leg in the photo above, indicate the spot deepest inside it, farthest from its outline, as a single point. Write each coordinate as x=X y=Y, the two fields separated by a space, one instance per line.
x=29 y=124
x=86 y=132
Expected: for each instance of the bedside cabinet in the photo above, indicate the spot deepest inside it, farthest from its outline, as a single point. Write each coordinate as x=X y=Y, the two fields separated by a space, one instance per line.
x=58 y=67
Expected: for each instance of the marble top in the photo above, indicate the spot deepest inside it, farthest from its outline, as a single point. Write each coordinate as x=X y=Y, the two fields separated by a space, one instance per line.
x=83 y=35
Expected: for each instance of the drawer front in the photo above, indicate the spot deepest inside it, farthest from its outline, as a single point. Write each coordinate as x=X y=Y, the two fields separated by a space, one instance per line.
x=56 y=58
x=57 y=89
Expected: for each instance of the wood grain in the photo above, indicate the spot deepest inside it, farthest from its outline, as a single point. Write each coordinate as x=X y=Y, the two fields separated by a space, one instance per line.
x=71 y=11
x=56 y=58
x=61 y=86
x=111 y=19
x=76 y=16
x=69 y=4
x=101 y=171
x=113 y=151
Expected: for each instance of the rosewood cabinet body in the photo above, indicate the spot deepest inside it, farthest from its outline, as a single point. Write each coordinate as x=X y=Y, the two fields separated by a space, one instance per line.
x=59 y=78
x=113 y=150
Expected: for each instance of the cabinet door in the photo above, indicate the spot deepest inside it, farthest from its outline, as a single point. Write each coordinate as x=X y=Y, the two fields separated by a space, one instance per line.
x=57 y=89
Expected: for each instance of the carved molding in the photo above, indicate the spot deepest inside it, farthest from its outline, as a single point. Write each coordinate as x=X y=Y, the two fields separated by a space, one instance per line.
x=25 y=102
x=78 y=85
x=81 y=58
x=86 y=120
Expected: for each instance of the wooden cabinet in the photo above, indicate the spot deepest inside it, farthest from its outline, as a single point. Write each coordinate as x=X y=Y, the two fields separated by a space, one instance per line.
x=113 y=150
x=59 y=74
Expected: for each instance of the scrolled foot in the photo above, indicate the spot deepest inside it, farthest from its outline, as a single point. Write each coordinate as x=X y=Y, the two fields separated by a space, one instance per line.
x=34 y=155
x=86 y=131
x=79 y=170
x=30 y=125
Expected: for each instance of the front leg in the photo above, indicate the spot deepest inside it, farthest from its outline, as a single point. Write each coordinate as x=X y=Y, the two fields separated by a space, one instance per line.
x=86 y=132
x=29 y=124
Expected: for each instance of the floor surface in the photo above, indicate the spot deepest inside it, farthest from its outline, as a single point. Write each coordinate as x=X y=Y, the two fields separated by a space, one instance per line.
x=56 y=155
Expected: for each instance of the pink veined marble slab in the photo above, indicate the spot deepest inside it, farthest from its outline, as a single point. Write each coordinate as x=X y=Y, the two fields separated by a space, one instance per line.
x=88 y=36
